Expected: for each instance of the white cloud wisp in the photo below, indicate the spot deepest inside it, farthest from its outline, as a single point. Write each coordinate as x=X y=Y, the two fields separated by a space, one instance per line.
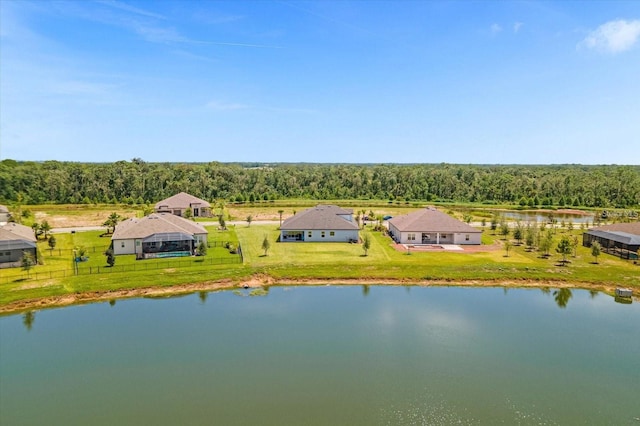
x=614 y=36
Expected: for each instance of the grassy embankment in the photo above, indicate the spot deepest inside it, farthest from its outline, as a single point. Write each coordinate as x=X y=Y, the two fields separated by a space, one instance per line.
x=310 y=262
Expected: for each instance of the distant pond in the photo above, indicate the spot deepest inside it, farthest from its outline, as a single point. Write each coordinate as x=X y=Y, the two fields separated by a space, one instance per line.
x=544 y=217
x=329 y=355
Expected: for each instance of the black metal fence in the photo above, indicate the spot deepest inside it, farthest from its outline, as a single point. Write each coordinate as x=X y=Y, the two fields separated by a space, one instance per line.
x=143 y=265
x=161 y=264
x=47 y=252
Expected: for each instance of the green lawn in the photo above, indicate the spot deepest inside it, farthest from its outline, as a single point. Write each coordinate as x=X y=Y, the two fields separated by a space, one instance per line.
x=57 y=277
x=341 y=260
x=300 y=261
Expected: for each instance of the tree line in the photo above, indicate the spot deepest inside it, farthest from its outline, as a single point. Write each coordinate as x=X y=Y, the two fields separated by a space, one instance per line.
x=138 y=182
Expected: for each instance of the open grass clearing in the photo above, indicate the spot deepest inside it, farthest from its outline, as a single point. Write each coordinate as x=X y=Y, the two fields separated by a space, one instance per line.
x=305 y=262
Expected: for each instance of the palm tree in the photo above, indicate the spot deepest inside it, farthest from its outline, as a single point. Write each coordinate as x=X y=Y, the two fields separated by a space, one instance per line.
x=45 y=227
x=111 y=222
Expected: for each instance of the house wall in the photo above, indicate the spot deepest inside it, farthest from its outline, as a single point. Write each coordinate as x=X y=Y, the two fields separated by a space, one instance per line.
x=339 y=236
x=461 y=238
x=451 y=238
x=125 y=247
x=134 y=246
x=195 y=211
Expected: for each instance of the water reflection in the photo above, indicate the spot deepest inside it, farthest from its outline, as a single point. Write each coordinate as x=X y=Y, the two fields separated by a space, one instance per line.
x=365 y=290
x=562 y=297
x=202 y=295
x=28 y=318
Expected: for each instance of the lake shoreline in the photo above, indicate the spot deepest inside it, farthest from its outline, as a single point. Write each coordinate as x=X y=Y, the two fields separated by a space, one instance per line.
x=264 y=281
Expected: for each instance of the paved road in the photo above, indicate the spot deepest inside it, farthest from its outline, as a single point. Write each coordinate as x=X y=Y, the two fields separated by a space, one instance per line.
x=104 y=228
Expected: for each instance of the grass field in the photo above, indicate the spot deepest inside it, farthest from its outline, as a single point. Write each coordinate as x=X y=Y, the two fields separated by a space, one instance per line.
x=340 y=260
x=300 y=261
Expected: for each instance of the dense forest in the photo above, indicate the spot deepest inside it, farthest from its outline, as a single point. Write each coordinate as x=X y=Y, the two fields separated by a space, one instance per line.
x=138 y=182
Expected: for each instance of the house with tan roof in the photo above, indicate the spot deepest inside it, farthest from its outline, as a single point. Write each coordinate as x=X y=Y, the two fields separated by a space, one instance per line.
x=178 y=204
x=322 y=223
x=157 y=235
x=430 y=226
x=619 y=239
x=15 y=240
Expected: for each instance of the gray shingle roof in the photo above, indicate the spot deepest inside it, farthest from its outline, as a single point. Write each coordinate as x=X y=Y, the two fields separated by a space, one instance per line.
x=630 y=228
x=320 y=217
x=618 y=236
x=15 y=231
x=181 y=201
x=156 y=223
x=430 y=220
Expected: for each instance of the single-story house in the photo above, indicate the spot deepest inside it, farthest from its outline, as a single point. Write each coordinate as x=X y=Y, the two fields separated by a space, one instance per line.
x=322 y=223
x=430 y=226
x=620 y=239
x=179 y=203
x=15 y=240
x=158 y=235
x=4 y=214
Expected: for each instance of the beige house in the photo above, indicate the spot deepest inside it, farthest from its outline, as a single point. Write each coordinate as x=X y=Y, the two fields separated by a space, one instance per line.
x=430 y=226
x=15 y=240
x=322 y=223
x=158 y=235
x=178 y=204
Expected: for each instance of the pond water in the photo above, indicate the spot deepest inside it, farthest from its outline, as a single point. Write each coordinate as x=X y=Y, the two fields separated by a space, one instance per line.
x=327 y=355
x=544 y=217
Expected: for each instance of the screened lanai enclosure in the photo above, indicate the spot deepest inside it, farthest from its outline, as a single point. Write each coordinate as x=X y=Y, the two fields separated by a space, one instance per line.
x=621 y=244
x=171 y=244
x=12 y=251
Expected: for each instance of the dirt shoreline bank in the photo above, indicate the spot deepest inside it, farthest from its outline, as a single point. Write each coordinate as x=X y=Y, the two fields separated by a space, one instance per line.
x=259 y=281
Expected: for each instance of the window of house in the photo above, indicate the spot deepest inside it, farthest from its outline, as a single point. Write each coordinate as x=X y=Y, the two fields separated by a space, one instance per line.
x=411 y=237
x=122 y=244
x=444 y=236
x=332 y=234
x=138 y=243
x=466 y=237
x=322 y=234
x=310 y=234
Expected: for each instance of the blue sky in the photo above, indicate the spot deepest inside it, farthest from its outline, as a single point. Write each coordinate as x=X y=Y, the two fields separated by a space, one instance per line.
x=332 y=81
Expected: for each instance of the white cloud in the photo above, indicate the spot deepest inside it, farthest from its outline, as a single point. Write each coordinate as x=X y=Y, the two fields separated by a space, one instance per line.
x=495 y=29
x=614 y=36
x=517 y=26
